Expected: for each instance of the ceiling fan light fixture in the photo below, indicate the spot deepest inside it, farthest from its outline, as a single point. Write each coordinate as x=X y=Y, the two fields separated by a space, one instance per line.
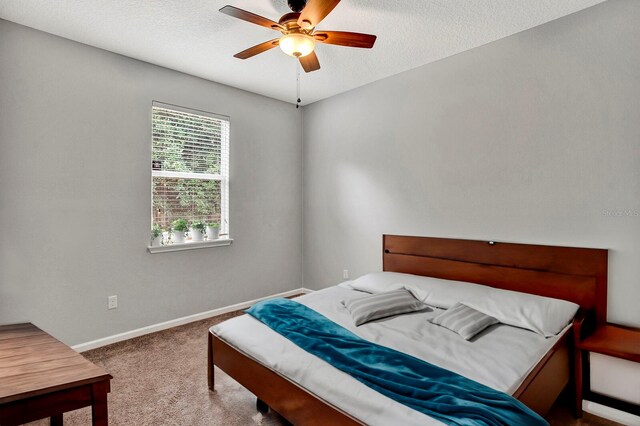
x=297 y=44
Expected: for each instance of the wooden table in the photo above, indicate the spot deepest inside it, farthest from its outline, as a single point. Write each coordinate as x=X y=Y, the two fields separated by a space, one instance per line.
x=42 y=377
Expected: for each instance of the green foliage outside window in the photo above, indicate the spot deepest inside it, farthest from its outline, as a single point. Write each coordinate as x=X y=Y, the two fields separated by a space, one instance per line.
x=186 y=143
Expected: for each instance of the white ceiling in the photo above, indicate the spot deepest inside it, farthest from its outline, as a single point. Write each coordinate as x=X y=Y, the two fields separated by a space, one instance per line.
x=193 y=37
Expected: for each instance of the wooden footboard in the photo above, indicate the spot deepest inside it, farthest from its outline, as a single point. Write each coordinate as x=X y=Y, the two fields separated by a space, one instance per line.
x=538 y=391
x=288 y=399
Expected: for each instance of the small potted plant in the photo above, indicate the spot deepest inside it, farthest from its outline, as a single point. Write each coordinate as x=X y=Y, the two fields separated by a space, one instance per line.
x=156 y=235
x=179 y=227
x=213 y=229
x=197 y=231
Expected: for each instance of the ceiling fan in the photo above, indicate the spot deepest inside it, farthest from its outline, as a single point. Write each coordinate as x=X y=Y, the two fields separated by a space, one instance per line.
x=299 y=34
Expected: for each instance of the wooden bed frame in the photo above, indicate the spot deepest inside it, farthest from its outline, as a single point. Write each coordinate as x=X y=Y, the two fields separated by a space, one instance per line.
x=575 y=274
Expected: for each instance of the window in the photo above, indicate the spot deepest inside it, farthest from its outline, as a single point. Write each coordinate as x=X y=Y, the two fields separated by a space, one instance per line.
x=190 y=173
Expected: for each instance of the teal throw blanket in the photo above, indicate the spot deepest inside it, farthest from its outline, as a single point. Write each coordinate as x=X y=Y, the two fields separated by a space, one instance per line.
x=429 y=389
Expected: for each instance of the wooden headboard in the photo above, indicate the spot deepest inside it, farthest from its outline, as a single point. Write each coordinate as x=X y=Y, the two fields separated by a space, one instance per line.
x=570 y=273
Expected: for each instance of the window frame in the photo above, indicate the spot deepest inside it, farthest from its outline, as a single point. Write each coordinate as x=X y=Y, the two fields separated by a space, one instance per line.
x=223 y=177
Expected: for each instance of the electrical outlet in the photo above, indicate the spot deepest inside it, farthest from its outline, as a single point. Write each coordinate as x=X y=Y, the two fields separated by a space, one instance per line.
x=345 y=274
x=113 y=302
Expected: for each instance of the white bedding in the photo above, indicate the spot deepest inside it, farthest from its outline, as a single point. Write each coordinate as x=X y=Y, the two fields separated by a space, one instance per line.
x=500 y=357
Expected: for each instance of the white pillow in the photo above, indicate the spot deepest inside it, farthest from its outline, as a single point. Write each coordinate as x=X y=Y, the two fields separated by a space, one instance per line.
x=377 y=282
x=542 y=315
x=422 y=287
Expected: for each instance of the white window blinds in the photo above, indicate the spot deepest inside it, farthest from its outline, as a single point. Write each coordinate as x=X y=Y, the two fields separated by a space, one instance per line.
x=190 y=167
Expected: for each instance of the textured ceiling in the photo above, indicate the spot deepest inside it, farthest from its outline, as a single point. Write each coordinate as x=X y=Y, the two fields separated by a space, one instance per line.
x=193 y=37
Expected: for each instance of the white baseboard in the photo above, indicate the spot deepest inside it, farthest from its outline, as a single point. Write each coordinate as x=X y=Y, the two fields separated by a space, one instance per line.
x=178 y=321
x=610 y=413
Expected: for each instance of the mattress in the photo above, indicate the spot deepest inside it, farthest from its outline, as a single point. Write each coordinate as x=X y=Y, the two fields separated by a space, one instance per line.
x=501 y=357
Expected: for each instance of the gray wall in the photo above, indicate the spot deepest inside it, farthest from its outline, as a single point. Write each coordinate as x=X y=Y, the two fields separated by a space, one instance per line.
x=534 y=138
x=75 y=192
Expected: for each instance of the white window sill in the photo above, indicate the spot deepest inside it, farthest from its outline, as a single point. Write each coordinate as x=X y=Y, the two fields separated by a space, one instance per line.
x=191 y=245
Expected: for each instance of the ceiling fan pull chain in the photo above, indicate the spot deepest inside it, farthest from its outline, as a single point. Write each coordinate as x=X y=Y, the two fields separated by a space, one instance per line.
x=298 y=84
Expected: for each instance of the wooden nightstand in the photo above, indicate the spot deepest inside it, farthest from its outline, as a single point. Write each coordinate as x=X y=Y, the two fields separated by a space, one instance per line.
x=613 y=341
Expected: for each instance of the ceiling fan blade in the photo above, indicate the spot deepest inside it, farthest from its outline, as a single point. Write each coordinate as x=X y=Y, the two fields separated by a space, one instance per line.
x=259 y=48
x=310 y=62
x=315 y=11
x=251 y=17
x=343 y=38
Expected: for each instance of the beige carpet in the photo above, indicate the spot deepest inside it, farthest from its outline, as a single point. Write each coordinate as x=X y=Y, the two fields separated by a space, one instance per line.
x=161 y=379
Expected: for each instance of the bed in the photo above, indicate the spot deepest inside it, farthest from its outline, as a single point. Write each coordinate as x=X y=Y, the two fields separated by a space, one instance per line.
x=578 y=275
